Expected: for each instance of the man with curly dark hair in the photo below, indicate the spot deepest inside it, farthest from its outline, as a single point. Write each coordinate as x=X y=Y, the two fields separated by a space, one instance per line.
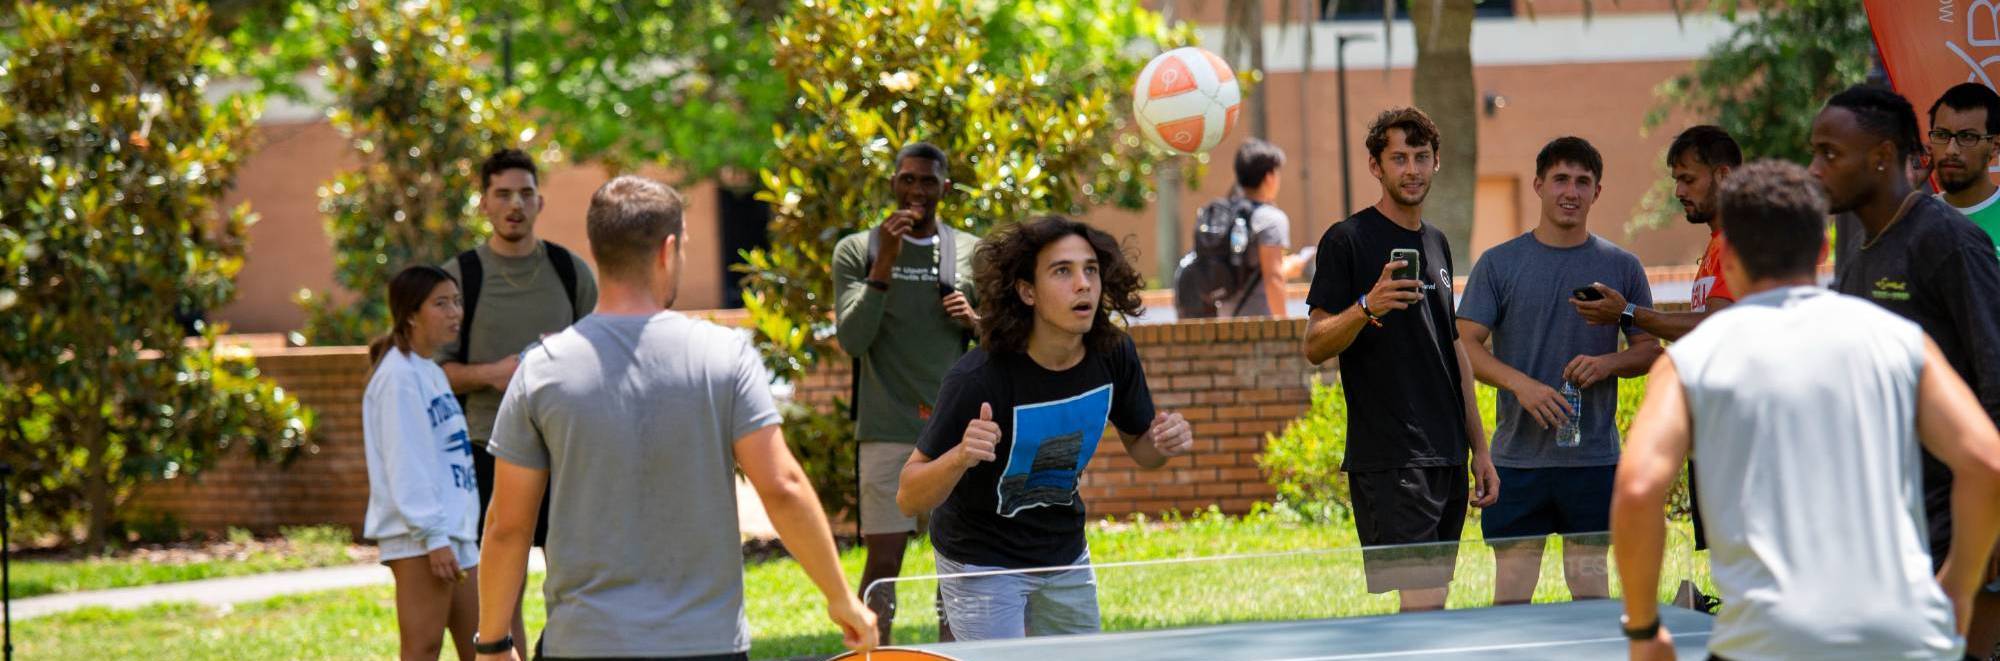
x=1017 y=421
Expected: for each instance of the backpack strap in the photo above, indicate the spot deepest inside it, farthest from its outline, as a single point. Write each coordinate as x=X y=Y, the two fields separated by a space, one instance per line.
x=947 y=248
x=470 y=274
x=560 y=258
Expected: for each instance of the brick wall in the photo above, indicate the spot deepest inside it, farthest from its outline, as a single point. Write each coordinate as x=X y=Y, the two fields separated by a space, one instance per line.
x=1235 y=381
x=328 y=486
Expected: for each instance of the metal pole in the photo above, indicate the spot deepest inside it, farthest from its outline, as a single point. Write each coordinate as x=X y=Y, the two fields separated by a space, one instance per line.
x=1305 y=125
x=6 y=573
x=1346 y=174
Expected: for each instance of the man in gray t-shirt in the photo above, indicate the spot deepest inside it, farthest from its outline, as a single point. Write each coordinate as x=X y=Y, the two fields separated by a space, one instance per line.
x=634 y=419
x=1257 y=168
x=1517 y=297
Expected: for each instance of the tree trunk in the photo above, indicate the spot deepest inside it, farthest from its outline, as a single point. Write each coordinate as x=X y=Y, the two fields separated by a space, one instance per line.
x=1243 y=46
x=1444 y=88
x=96 y=477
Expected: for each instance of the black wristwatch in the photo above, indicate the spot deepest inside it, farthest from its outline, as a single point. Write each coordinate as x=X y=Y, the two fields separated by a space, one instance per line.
x=1647 y=632
x=501 y=646
x=1626 y=318
x=878 y=285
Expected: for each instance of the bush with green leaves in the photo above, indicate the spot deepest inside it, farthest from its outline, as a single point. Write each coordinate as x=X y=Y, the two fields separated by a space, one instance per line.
x=1303 y=462
x=115 y=164
x=422 y=120
x=1042 y=131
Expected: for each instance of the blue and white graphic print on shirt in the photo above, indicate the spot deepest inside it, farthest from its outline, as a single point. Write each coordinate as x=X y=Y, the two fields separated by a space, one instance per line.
x=1053 y=441
x=443 y=409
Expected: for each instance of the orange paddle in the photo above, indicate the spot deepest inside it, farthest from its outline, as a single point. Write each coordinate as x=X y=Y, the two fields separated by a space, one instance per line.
x=893 y=654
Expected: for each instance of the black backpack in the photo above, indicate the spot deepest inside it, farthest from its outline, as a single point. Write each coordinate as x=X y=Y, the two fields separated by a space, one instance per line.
x=472 y=273
x=947 y=259
x=1224 y=269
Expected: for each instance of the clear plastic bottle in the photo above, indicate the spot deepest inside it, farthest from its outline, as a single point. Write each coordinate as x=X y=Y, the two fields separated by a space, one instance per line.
x=1571 y=434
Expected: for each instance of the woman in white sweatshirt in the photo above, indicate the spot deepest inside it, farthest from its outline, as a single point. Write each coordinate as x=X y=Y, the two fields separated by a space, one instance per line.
x=423 y=500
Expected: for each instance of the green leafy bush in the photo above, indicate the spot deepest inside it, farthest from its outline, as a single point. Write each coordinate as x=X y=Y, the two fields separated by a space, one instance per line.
x=1303 y=462
x=115 y=164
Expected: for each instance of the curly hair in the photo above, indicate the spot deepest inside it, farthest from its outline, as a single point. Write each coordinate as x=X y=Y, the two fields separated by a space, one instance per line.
x=1418 y=130
x=1008 y=257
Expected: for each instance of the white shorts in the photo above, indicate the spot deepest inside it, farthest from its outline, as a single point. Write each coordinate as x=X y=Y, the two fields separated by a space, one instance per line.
x=409 y=546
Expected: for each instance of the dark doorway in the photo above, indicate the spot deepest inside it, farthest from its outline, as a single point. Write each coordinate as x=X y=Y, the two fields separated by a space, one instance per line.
x=745 y=225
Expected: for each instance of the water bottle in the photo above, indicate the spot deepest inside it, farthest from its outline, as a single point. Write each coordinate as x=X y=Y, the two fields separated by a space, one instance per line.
x=1571 y=434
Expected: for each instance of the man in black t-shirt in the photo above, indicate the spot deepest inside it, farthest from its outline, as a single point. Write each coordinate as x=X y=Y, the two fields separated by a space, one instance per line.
x=1019 y=418
x=1919 y=258
x=1412 y=416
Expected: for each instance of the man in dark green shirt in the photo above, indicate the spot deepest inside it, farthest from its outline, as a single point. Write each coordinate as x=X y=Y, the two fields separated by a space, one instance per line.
x=904 y=314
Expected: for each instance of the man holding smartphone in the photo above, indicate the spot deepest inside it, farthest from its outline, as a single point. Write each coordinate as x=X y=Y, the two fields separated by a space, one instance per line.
x=1381 y=300
x=913 y=274
x=1558 y=462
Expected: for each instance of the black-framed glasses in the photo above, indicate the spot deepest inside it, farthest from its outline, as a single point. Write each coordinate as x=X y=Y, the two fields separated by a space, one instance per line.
x=1965 y=139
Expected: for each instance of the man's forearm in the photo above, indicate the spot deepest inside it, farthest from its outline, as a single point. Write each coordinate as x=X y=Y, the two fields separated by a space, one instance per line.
x=1475 y=428
x=469 y=378
x=1274 y=293
x=1327 y=335
x=1669 y=326
x=1142 y=452
x=1636 y=359
x=1975 y=516
x=802 y=528
x=925 y=484
x=503 y=569
x=1638 y=534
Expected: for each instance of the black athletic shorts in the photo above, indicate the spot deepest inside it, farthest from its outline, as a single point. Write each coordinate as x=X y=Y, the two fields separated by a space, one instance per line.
x=482 y=465
x=1401 y=514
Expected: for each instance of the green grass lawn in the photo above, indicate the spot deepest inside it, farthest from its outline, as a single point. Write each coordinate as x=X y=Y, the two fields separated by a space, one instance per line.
x=303 y=548
x=787 y=618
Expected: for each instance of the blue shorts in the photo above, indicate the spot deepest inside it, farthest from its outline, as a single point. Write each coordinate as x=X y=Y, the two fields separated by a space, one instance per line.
x=1539 y=501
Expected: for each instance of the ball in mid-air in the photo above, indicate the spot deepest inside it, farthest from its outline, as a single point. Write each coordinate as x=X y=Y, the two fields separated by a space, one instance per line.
x=1186 y=100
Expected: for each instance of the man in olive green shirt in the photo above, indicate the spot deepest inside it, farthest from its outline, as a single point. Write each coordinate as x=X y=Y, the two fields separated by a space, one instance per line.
x=526 y=288
x=904 y=312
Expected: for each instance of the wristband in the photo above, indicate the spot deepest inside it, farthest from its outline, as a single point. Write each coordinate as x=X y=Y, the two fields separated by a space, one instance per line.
x=878 y=285
x=502 y=646
x=1644 y=633
x=1365 y=312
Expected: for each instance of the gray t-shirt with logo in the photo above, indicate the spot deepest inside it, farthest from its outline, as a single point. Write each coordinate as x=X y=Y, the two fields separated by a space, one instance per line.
x=636 y=418
x=1520 y=290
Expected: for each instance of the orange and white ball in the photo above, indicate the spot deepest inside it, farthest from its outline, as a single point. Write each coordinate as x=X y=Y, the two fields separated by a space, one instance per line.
x=1186 y=100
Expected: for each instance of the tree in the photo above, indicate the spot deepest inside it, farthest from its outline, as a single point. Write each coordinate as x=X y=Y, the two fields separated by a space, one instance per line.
x=1025 y=136
x=109 y=230
x=1443 y=87
x=422 y=119
x=1764 y=83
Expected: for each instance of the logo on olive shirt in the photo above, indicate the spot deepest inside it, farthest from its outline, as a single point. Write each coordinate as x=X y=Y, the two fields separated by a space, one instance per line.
x=1890 y=290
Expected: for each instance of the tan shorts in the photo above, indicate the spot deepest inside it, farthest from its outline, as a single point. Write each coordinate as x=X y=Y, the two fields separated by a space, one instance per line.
x=881 y=470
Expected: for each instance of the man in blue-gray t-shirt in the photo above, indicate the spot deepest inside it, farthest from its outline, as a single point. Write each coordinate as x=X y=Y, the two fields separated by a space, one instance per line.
x=1518 y=297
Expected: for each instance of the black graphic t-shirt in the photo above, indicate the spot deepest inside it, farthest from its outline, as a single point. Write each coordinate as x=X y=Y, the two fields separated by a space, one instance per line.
x=1021 y=510
x=1405 y=408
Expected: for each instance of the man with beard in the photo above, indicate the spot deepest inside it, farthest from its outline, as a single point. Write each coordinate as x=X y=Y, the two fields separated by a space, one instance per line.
x=1918 y=257
x=1700 y=158
x=1412 y=416
x=517 y=288
x=1964 y=123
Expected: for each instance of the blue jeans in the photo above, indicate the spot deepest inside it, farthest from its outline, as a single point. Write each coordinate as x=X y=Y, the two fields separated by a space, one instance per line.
x=1018 y=604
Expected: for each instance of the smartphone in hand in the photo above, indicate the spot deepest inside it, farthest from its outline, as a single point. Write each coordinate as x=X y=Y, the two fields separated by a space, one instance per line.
x=1588 y=293
x=1412 y=264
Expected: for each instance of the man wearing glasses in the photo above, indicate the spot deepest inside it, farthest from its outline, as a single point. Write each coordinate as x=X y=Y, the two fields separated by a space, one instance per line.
x=1963 y=124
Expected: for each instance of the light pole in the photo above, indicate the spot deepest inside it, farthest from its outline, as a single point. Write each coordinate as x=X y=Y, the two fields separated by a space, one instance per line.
x=1340 y=72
